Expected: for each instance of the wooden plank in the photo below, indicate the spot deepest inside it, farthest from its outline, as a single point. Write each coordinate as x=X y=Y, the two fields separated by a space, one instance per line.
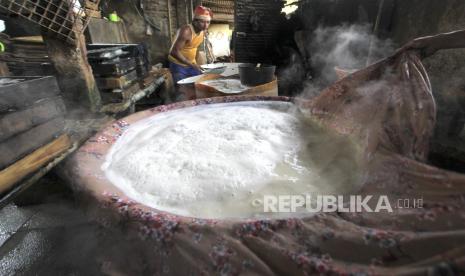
x=29 y=39
x=103 y=31
x=74 y=73
x=32 y=162
x=131 y=90
x=116 y=82
x=91 y=5
x=145 y=92
x=222 y=17
x=24 y=143
x=16 y=122
x=116 y=67
x=116 y=97
x=153 y=75
x=31 y=68
x=93 y=13
x=19 y=95
x=98 y=55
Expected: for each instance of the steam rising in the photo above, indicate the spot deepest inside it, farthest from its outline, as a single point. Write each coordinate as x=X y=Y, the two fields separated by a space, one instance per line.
x=349 y=47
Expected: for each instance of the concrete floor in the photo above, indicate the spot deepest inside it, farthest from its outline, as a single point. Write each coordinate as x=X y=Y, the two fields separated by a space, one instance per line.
x=52 y=237
x=34 y=239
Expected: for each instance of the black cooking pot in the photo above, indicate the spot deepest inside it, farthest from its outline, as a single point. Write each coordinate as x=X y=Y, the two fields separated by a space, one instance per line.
x=253 y=75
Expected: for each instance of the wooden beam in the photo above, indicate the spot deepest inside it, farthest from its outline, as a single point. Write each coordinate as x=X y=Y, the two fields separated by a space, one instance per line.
x=181 y=13
x=170 y=31
x=117 y=82
x=101 y=30
x=17 y=96
x=18 y=146
x=191 y=7
x=222 y=17
x=13 y=123
x=32 y=162
x=187 y=6
x=145 y=92
x=74 y=73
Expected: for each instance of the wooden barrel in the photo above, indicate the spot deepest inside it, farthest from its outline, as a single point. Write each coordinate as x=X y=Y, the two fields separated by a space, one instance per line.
x=206 y=91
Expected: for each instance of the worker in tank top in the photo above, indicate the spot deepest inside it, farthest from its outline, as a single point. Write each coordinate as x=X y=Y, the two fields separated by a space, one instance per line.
x=184 y=49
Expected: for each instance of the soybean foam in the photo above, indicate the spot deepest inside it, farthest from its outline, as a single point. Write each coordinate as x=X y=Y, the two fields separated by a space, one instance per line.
x=220 y=160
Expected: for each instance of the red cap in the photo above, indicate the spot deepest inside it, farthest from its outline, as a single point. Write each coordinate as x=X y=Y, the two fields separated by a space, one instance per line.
x=203 y=13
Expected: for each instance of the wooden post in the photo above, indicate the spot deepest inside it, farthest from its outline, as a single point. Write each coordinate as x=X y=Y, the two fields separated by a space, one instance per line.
x=187 y=5
x=191 y=12
x=184 y=12
x=170 y=31
x=74 y=73
x=375 y=32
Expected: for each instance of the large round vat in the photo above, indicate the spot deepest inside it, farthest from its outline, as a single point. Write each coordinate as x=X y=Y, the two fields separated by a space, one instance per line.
x=386 y=127
x=220 y=158
x=234 y=176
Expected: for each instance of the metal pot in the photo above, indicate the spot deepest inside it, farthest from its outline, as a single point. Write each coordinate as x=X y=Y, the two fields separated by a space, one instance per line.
x=253 y=75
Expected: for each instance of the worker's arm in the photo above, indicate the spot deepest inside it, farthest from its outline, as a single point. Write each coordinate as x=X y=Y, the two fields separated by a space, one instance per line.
x=182 y=38
x=428 y=45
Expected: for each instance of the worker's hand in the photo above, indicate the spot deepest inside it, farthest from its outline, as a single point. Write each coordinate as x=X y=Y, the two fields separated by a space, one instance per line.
x=197 y=67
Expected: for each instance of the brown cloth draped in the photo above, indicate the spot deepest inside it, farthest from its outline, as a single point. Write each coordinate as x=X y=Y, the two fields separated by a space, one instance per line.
x=389 y=110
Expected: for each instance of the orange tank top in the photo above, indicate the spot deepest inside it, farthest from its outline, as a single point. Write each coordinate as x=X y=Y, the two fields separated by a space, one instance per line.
x=189 y=51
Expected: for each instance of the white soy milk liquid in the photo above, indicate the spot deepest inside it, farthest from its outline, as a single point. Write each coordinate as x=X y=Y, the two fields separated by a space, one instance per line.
x=219 y=160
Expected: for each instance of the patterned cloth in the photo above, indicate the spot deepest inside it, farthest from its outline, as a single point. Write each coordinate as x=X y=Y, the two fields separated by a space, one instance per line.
x=388 y=110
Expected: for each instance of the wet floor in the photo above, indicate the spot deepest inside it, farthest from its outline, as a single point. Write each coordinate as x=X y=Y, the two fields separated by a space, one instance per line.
x=51 y=236
x=47 y=232
x=33 y=239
